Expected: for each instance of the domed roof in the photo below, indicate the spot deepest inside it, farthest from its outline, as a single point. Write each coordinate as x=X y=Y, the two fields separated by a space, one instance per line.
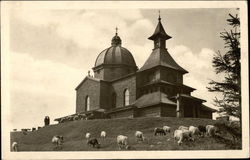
x=116 y=54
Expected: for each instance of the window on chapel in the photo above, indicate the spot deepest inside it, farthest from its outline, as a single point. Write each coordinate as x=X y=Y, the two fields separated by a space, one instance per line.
x=126 y=97
x=87 y=104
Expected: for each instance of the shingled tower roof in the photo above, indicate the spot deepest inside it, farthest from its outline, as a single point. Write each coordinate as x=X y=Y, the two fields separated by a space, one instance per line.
x=160 y=55
x=159 y=32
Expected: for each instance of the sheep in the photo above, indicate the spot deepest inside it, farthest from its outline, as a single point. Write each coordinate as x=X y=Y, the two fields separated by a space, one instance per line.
x=103 y=134
x=24 y=131
x=62 y=120
x=182 y=135
x=122 y=142
x=211 y=130
x=183 y=127
x=88 y=135
x=139 y=136
x=57 y=140
x=14 y=146
x=159 y=131
x=70 y=118
x=166 y=129
x=93 y=142
x=194 y=130
x=76 y=117
x=202 y=129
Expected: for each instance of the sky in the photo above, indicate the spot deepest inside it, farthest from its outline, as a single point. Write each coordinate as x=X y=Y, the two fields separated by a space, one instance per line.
x=51 y=51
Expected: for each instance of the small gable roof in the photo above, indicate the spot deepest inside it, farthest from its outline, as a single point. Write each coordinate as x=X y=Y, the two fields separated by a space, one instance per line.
x=87 y=78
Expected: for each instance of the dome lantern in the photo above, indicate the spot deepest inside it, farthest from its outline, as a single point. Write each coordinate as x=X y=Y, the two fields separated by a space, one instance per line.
x=116 y=40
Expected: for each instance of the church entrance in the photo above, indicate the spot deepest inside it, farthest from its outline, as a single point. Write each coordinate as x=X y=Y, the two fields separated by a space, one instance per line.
x=188 y=110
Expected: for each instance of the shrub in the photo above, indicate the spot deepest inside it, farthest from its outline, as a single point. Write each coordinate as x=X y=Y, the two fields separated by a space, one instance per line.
x=230 y=133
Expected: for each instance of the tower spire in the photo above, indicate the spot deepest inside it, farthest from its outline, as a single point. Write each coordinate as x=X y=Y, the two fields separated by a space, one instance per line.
x=159 y=36
x=159 y=18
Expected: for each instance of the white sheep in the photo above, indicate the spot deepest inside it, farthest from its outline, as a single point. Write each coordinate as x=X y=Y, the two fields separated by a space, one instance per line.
x=194 y=130
x=103 y=134
x=88 y=135
x=57 y=140
x=183 y=127
x=210 y=130
x=166 y=129
x=182 y=135
x=122 y=142
x=139 y=135
x=14 y=146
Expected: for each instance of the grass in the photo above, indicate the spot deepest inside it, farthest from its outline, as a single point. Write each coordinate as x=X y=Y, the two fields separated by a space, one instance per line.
x=74 y=135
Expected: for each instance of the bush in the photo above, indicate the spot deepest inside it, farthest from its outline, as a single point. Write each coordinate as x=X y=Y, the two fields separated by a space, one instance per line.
x=230 y=133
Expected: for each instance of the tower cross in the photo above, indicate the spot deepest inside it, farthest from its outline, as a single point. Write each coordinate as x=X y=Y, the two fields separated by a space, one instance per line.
x=116 y=30
x=159 y=15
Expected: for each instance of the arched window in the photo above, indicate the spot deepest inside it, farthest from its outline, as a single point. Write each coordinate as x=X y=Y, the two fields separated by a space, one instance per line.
x=126 y=97
x=87 y=103
x=113 y=100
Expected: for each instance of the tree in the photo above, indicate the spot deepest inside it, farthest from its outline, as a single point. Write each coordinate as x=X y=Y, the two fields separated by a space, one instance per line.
x=228 y=63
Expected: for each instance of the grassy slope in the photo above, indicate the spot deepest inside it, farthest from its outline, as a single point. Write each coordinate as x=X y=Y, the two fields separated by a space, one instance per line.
x=74 y=133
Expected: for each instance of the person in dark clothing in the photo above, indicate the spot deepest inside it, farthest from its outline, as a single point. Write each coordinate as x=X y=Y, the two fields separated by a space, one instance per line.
x=46 y=120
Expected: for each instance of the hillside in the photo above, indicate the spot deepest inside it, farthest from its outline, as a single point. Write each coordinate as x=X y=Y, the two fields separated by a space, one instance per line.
x=74 y=135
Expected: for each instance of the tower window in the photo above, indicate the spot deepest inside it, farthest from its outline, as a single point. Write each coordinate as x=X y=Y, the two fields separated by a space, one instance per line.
x=87 y=103
x=151 y=77
x=126 y=97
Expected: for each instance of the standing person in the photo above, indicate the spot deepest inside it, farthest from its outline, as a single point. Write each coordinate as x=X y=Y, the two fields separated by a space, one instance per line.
x=46 y=121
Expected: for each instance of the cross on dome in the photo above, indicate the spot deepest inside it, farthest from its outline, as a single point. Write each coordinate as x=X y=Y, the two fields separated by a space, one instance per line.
x=116 y=40
x=116 y=30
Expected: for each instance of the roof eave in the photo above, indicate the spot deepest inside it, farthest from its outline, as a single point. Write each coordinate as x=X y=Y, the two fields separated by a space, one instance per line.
x=154 y=36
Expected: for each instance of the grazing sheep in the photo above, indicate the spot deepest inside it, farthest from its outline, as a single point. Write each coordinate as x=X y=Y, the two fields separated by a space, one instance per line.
x=182 y=135
x=122 y=142
x=57 y=140
x=194 y=130
x=202 y=129
x=183 y=127
x=24 y=131
x=210 y=130
x=103 y=134
x=93 y=142
x=75 y=118
x=166 y=129
x=61 y=120
x=159 y=131
x=14 y=146
x=88 y=135
x=139 y=136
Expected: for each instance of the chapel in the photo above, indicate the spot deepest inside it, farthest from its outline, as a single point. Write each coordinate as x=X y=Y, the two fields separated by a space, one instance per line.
x=119 y=89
